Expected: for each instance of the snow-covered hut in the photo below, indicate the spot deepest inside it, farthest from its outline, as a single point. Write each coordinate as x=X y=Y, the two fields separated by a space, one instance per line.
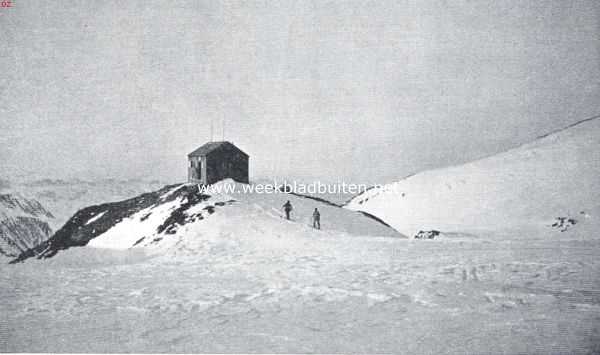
x=215 y=161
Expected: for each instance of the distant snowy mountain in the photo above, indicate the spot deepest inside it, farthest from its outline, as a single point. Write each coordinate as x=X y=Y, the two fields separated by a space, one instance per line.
x=554 y=178
x=182 y=219
x=31 y=209
x=64 y=197
x=24 y=223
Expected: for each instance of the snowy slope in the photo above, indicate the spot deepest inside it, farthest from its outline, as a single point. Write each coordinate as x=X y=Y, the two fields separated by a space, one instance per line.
x=180 y=217
x=241 y=282
x=557 y=175
x=24 y=223
x=176 y=270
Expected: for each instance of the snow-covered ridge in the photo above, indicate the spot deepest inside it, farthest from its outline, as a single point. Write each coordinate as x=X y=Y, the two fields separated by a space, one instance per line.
x=181 y=217
x=553 y=176
x=94 y=221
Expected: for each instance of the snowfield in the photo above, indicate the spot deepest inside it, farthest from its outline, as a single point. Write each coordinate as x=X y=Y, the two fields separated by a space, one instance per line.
x=557 y=175
x=285 y=291
x=514 y=269
x=243 y=279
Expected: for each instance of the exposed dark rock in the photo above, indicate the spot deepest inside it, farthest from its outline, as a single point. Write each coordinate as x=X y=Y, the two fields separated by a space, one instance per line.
x=23 y=224
x=78 y=230
x=427 y=234
x=21 y=233
x=178 y=217
x=563 y=223
x=24 y=205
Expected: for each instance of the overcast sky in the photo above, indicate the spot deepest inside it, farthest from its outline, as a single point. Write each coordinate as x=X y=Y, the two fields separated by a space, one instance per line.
x=362 y=91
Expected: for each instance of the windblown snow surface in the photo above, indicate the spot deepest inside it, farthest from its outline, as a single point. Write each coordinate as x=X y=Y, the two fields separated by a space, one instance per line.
x=227 y=273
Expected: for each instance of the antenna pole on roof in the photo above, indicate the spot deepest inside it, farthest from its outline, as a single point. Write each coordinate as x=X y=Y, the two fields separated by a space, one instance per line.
x=211 y=129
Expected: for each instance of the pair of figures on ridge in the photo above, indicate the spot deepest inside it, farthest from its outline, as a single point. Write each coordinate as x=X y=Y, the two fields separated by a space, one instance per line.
x=316 y=216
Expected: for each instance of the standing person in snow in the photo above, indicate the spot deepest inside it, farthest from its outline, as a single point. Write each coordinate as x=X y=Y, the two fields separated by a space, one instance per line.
x=287 y=207
x=316 y=219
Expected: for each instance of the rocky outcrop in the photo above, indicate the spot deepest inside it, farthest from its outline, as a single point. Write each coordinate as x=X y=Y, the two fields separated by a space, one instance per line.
x=427 y=234
x=563 y=223
x=11 y=205
x=92 y=221
x=23 y=224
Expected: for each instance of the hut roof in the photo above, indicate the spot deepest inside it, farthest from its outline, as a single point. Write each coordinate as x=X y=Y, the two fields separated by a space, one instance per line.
x=212 y=146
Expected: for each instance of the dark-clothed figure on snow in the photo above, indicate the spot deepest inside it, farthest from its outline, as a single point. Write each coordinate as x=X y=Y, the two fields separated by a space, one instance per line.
x=316 y=219
x=287 y=207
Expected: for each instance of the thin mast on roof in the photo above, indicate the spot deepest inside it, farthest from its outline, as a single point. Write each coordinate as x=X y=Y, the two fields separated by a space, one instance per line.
x=211 y=129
